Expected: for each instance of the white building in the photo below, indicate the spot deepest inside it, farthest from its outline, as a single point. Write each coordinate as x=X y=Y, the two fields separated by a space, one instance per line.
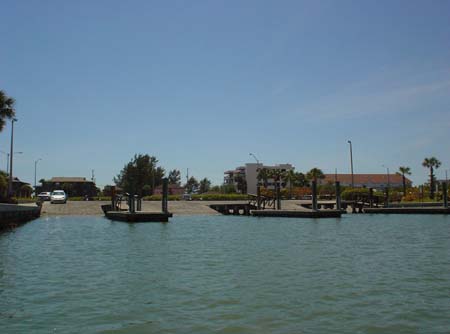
x=248 y=175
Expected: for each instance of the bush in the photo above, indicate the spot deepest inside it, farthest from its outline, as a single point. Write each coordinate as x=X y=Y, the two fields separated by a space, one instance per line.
x=159 y=198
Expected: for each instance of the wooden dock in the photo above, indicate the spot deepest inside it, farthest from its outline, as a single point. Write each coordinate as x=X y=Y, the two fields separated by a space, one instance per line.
x=410 y=210
x=297 y=213
x=139 y=217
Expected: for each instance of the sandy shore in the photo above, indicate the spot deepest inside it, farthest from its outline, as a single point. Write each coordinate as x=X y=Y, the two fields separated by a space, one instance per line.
x=176 y=207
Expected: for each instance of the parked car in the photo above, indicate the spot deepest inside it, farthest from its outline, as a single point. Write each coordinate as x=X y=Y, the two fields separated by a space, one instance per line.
x=58 y=196
x=45 y=196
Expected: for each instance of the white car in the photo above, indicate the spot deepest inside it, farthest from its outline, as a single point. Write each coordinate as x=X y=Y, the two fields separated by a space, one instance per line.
x=58 y=196
x=45 y=196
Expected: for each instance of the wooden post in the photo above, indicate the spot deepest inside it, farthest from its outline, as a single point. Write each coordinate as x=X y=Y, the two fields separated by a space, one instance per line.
x=258 y=196
x=445 y=194
x=314 y=195
x=387 y=198
x=278 y=197
x=138 y=203
x=338 y=196
x=131 y=207
x=371 y=197
x=165 y=195
x=113 y=198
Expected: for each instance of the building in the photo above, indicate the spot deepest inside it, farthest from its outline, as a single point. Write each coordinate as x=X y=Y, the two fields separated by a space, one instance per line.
x=245 y=178
x=73 y=186
x=376 y=181
x=21 y=189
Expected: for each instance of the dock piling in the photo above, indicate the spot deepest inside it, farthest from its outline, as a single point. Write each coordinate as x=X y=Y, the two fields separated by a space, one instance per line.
x=165 y=191
x=338 y=195
x=371 y=197
x=278 y=197
x=445 y=194
x=258 y=196
x=386 y=202
x=314 y=195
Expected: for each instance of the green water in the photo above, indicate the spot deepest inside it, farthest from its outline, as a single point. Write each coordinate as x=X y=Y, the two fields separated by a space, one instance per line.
x=357 y=274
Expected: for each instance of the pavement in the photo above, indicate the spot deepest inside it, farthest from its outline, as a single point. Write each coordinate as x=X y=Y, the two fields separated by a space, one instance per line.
x=92 y=208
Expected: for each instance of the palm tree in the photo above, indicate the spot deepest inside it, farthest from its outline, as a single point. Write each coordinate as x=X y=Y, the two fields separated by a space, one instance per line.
x=290 y=178
x=6 y=108
x=263 y=175
x=431 y=163
x=404 y=171
x=315 y=174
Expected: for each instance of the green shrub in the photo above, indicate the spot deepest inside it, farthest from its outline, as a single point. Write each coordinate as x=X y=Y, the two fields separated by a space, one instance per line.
x=159 y=198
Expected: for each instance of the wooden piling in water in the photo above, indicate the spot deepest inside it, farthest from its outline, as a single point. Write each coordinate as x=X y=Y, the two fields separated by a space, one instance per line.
x=278 y=197
x=445 y=194
x=258 y=197
x=386 y=201
x=370 y=197
x=165 y=194
x=314 y=195
x=338 y=196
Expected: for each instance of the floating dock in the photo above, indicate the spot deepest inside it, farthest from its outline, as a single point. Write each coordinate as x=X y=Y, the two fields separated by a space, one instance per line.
x=139 y=217
x=297 y=213
x=410 y=210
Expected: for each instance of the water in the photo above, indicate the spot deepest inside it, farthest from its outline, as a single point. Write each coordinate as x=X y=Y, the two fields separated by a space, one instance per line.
x=357 y=274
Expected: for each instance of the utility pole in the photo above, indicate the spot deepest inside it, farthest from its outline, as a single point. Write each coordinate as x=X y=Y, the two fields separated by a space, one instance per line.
x=351 y=162
x=35 y=168
x=10 y=190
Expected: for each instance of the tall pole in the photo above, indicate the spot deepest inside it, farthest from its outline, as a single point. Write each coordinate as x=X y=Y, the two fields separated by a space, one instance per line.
x=11 y=154
x=351 y=162
x=388 y=177
x=35 y=168
x=7 y=158
x=254 y=156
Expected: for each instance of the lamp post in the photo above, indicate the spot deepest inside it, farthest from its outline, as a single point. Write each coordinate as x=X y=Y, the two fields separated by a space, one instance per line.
x=11 y=154
x=351 y=162
x=388 y=178
x=35 y=168
x=7 y=158
x=254 y=156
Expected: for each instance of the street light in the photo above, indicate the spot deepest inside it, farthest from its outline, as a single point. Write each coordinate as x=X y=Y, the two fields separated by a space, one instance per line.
x=11 y=154
x=7 y=158
x=254 y=156
x=351 y=162
x=35 y=167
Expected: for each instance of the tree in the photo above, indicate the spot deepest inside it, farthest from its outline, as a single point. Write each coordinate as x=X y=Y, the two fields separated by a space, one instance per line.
x=191 y=185
x=174 y=177
x=289 y=178
x=6 y=108
x=264 y=176
x=3 y=184
x=315 y=174
x=139 y=172
x=402 y=170
x=431 y=163
x=205 y=184
x=300 y=180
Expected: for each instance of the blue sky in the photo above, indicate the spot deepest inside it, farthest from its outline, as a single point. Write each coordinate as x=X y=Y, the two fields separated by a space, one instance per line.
x=200 y=84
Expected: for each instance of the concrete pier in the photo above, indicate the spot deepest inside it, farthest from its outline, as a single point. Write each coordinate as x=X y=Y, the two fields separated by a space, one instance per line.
x=12 y=215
